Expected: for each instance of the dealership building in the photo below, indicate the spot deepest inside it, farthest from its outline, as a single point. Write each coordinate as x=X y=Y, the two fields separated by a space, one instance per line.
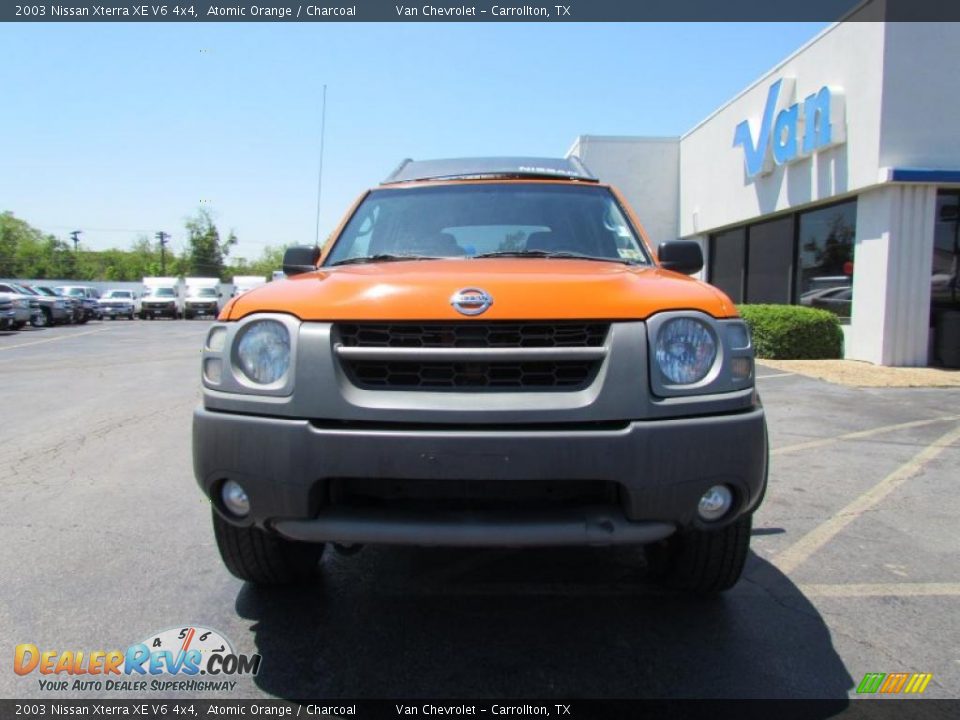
x=833 y=181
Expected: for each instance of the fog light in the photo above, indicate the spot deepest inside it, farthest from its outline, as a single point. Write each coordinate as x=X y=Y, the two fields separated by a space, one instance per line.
x=715 y=502
x=741 y=368
x=236 y=500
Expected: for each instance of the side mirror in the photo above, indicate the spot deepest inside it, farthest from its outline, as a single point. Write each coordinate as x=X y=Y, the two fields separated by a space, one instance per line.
x=300 y=259
x=682 y=256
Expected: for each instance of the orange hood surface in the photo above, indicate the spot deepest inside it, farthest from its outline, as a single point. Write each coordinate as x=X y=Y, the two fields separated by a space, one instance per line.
x=521 y=288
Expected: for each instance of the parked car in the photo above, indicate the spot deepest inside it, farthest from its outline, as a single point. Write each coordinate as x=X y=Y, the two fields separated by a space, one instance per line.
x=160 y=301
x=245 y=283
x=74 y=306
x=89 y=298
x=837 y=300
x=7 y=316
x=37 y=318
x=49 y=310
x=118 y=303
x=20 y=305
x=203 y=297
x=487 y=353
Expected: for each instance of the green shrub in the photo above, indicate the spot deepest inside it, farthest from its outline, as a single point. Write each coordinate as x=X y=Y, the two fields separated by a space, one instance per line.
x=793 y=332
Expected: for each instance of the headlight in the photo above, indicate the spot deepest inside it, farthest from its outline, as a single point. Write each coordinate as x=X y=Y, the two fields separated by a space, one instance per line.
x=686 y=350
x=263 y=352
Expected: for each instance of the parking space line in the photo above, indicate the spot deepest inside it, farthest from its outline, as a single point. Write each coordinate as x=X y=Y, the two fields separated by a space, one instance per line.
x=795 y=555
x=54 y=339
x=854 y=590
x=861 y=434
x=775 y=375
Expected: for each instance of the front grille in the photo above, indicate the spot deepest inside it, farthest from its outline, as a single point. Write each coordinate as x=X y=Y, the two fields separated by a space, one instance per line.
x=393 y=374
x=474 y=335
x=469 y=495
x=477 y=356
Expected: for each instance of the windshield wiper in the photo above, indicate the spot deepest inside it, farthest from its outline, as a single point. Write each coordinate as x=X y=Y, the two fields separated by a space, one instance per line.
x=381 y=257
x=551 y=254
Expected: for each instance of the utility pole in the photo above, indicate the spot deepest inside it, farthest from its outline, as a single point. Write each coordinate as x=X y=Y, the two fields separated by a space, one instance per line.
x=75 y=236
x=162 y=237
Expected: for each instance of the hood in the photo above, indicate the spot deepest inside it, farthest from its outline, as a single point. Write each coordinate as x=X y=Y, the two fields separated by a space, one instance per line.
x=521 y=288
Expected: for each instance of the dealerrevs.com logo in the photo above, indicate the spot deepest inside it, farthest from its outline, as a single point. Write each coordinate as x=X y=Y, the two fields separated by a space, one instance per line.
x=171 y=660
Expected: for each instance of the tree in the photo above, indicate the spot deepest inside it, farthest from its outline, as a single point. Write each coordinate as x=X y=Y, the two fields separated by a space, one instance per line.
x=206 y=252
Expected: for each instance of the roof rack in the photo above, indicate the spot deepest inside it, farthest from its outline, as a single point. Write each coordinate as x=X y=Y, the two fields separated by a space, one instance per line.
x=570 y=168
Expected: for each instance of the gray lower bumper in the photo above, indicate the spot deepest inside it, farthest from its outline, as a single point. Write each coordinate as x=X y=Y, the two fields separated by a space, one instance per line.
x=590 y=526
x=662 y=467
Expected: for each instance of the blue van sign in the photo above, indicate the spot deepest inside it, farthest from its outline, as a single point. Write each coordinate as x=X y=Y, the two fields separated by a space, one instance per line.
x=785 y=134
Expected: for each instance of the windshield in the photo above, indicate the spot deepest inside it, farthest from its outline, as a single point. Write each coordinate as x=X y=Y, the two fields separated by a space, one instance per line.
x=163 y=292
x=45 y=291
x=76 y=292
x=480 y=219
x=118 y=295
x=205 y=292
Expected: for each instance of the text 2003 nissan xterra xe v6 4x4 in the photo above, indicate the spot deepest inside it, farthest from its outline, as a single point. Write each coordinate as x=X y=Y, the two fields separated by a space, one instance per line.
x=487 y=353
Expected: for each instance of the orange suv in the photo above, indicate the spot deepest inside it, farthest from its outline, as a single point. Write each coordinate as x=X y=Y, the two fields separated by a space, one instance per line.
x=486 y=353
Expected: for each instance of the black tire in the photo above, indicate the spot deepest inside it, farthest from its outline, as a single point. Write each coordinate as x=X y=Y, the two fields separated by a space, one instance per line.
x=18 y=325
x=703 y=561
x=44 y=319
x=130 y=316
x=263 y=558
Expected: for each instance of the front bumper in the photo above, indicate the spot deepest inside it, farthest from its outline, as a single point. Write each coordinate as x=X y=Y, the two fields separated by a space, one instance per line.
x=116 y=310
x=201 y=309
x=661 y=468
x=159 y=310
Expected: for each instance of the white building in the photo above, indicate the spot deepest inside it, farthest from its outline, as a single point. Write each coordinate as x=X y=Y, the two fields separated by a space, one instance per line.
x=832 y=181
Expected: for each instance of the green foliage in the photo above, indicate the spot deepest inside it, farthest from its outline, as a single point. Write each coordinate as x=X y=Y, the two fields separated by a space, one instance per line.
x=270 y=259
x=793 y=332
x=206 y=252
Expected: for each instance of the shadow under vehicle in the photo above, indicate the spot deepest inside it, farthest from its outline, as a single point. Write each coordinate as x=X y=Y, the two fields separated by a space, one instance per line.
x=551 y=623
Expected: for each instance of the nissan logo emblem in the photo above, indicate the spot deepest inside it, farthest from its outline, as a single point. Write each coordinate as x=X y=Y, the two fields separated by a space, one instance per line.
x=471 y=301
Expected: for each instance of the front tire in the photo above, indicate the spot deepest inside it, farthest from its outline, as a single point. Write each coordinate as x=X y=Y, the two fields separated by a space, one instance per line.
x=44 y=319
x=705 y=562
x=262 y=558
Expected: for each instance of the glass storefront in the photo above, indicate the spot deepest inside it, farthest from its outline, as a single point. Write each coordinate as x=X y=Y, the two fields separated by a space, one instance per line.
x=803 y=258
x=726 y=262
x=770 y=261
x=944 y=293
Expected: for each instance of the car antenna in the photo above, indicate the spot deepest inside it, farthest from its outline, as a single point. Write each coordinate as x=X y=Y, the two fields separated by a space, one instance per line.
x=323 y=127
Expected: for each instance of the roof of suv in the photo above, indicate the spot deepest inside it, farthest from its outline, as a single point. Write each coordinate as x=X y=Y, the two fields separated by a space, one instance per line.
x=492 y=167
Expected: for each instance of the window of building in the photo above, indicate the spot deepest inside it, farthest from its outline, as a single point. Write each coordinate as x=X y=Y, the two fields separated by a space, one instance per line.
x=770 y=261
x=804 y=258
x=726 y=262
x=825 y=257
x=944 y=292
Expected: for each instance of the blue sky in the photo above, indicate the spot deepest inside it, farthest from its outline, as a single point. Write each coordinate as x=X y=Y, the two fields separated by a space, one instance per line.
x=124 y=129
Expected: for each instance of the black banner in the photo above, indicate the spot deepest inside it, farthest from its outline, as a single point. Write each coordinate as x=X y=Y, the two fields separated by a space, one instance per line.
x=188 y=11
x=899 y=709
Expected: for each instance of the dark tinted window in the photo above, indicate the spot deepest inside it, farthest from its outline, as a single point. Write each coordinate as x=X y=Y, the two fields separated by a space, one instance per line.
x=727 y=262
x=825 y=257
x=946 y=252
x=471 y=219
x=770 y=261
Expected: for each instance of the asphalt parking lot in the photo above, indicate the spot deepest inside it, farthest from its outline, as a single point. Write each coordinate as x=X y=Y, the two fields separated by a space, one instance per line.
x=105 y=539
